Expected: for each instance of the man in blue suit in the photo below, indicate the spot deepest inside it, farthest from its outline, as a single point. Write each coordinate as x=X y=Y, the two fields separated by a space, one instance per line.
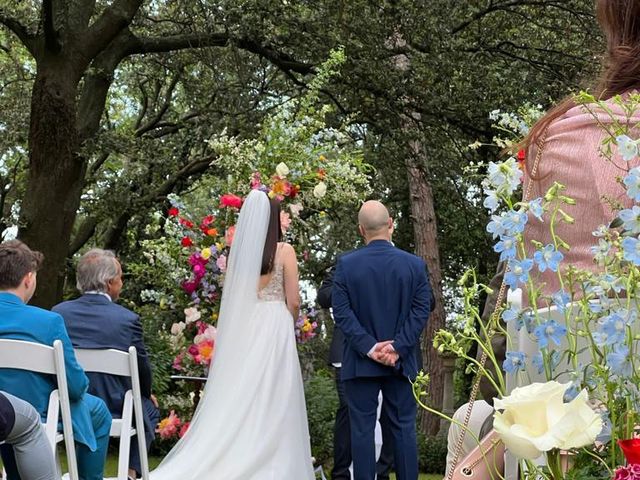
x=381 y=301
x=19 y=321
x=95 y=321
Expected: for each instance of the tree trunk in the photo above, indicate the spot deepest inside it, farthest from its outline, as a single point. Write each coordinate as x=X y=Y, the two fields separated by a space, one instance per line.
x=56 y=175
x=426 y=238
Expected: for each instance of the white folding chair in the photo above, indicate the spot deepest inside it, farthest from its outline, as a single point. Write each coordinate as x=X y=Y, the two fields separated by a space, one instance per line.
x=116 y=362
x=39 y=358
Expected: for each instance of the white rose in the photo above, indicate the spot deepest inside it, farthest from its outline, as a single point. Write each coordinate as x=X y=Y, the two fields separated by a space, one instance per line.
x=282 y=170
x=534 y=420
x=191 y=315
x=177 y=328
x=320 y=190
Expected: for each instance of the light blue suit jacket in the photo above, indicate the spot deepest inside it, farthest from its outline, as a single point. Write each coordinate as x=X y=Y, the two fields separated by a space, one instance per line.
x=24 y=322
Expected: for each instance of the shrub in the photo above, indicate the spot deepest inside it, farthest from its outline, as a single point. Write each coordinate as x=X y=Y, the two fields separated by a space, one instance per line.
x=432 y=454
x=322 y=402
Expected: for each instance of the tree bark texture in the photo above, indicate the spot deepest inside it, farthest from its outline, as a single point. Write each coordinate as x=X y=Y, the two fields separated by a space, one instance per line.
x=426 y=239
x=56 y=176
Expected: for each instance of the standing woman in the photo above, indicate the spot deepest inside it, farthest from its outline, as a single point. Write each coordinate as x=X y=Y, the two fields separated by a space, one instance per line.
x=569 y=139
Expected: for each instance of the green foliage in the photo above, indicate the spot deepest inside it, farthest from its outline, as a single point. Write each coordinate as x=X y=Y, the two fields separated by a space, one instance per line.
x=432 y=454
x=322 y=403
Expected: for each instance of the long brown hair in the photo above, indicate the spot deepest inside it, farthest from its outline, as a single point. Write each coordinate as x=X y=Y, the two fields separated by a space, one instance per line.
x=620 y=22
x=274 y=235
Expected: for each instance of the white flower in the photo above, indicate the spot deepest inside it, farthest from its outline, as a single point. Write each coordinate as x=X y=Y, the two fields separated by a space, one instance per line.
x=504 y=177
x=191 y=315
x=320 y=190
x=177 y=328
x=534 y=419
x=296 y=208
x=282 y=170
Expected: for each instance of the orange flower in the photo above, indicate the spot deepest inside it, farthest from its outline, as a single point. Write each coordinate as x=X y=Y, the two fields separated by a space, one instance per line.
x=212 y=232
x=321 y=173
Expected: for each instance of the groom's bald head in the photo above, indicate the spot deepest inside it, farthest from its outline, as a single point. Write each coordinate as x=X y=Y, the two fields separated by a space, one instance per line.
x=374 y=221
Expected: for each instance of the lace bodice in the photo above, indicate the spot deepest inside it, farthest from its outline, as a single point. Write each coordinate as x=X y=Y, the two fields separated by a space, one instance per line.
x=274 y=290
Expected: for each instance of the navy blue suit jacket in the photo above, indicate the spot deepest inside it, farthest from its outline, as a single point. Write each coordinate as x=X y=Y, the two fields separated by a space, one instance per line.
x=95 y=322
x=380 y=293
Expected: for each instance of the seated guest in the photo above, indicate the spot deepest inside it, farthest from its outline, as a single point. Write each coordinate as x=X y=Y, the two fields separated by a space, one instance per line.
x=95 y=321
x=21 y=428
x=18 y=321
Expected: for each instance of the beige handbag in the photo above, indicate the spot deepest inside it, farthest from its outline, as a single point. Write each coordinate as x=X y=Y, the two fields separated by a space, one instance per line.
x=486 y=461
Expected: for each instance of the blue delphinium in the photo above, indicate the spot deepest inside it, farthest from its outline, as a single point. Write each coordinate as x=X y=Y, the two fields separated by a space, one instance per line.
x=601 y=250
x=506 y=247
x=549 y=331
x=549 y=258
x=514 y=361
x=619 y=361
x=491 y=201
x=518 y=272
x=632 y=182
x=571 y=392
x=561 y=299
x=631 y=248
x=515 y=221
x=496 y=226
x=535 y=207
x=538 y=362
x=612 y=329
x=628 y=148
x=631 y=219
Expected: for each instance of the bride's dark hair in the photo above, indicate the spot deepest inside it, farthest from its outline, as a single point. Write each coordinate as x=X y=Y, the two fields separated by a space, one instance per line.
x=620 y=22
x=274 y=235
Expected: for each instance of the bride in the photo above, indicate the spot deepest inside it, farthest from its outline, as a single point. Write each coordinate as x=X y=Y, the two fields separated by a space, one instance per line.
x=251 y=423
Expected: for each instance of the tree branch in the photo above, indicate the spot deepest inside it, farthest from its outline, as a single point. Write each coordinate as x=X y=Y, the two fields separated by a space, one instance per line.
x=28 y=39
x=115 y=18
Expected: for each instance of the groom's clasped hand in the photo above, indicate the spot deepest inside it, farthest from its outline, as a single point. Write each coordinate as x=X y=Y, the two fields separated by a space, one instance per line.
x=383 y=352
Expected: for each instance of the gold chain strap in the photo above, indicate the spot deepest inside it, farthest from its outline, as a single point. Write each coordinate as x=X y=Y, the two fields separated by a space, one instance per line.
x=501 y=296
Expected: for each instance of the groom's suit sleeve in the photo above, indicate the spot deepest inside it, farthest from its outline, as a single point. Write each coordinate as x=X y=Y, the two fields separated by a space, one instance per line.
x=345 y=317
x=421 y=307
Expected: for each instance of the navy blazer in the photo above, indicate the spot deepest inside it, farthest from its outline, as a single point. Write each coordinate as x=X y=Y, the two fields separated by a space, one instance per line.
x=95 y=322
x=380 y=293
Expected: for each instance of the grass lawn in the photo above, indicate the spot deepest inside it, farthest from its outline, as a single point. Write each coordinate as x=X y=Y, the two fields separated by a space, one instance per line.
x=111 y=467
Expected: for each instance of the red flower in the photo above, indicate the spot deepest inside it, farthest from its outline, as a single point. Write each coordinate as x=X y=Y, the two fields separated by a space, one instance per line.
x=183 y=429
x=173 y=212
x=521 y=158
x=206 y=221
x=230 y=200
x=186 y=242
x=631 y=449
x=186 y=223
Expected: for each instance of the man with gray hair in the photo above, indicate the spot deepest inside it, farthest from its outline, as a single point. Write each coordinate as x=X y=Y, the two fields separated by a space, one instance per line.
x=95 y=321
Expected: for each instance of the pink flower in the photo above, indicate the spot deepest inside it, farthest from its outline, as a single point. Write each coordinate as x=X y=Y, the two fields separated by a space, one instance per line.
x=177 y=362
x=256 y=182
x=230 y=200
x=190 y=286
x=222 y=263
x=168 y=427
x=229 y=234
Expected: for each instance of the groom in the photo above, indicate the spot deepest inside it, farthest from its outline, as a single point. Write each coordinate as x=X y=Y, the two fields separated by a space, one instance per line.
x=381 y=301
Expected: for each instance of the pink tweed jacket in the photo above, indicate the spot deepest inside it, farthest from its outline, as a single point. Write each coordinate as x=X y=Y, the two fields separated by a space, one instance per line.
x=572 y=156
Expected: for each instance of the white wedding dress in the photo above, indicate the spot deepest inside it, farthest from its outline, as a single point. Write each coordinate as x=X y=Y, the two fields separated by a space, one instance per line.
x=251 y=423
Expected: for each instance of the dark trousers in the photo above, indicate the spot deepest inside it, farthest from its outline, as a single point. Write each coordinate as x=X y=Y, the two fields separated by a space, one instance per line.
x=400 y=407
x=342 y=440
x=151 y=419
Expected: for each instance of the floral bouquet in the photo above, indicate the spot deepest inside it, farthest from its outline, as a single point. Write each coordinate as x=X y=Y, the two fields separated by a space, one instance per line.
x=306 y=326
x=585 y=333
